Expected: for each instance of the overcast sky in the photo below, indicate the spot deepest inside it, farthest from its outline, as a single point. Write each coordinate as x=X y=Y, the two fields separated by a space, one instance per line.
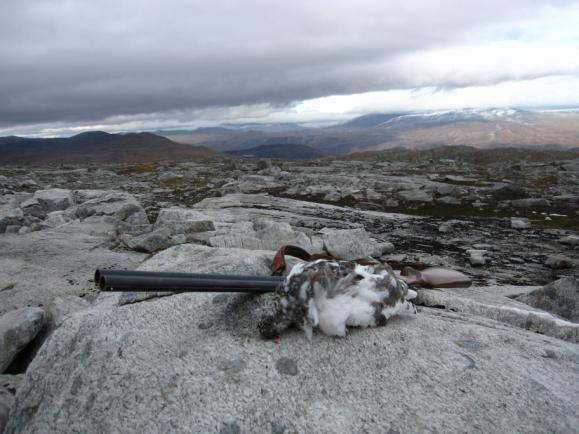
x=72 y=65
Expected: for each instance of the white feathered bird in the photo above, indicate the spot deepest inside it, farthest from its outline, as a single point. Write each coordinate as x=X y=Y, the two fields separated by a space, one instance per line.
x=332 y=295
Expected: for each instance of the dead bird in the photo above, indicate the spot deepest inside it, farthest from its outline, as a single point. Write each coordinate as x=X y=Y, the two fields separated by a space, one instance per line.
x=334 y=294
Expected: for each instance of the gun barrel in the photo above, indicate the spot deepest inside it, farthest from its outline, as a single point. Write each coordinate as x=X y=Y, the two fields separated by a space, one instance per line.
x=126 y=280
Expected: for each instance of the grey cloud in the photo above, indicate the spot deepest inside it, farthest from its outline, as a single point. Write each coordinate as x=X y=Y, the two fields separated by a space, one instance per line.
x=72 y=61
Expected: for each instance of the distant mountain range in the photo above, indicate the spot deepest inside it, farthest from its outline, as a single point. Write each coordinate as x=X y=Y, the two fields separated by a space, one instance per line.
x=488 y=128
x=365 y=136
x=97 y=147
x=283 y=151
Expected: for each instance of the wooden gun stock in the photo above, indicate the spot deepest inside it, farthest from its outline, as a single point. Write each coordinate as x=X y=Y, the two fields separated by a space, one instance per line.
x=435 y=277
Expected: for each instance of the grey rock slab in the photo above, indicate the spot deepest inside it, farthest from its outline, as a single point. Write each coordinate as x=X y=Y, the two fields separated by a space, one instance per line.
x=560 y=298
x=262 y=234
x=250 y=207
x=8 y=387
x=62 y=307
x=350 y=243
x=103 y=202
x=40 y=266
x=148 y=367
x=483 y=303
x=17 y=329
x=190 y=226
x=171 y=216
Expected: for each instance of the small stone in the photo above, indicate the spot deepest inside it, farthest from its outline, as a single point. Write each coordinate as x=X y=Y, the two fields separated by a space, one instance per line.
x=28 y=183
x=221 y=298
x=447 y=226
x=348 y=244
x=520 y=223
x=476 y=257
x=230 y=428
x=278 y=428
x=287 y=366
x=24 y=230
x=233 y=366
x=386 y=247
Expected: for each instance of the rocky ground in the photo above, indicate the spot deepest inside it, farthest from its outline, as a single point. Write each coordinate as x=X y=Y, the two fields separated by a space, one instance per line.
x=500 y=356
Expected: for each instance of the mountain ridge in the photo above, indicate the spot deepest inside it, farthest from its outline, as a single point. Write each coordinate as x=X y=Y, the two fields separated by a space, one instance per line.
x=96 y=147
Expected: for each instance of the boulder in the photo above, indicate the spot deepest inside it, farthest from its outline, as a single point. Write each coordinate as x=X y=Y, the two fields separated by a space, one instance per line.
x=12 y=229
x=57 y=218
x=386 y=247
x=155 y=241
x=132 y=214
x=350 y=243
x=570 y=240
x=560 y=297
x=9 y=215
x=105 y=203
x=450 y=190
x=508 y=191
x=531 y=203
x=415 y=196
x=261 y=234
x=29 y=183
x=32 y=207
x=55 y=199
x=558 y=262
x=17 y=329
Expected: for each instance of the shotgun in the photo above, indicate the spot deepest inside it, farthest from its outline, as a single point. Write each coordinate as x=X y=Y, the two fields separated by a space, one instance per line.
x=143 y=281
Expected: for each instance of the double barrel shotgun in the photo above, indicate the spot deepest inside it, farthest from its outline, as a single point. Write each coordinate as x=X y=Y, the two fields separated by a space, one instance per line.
x=128 y=280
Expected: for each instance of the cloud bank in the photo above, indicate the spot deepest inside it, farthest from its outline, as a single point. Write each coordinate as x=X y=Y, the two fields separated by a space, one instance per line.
x=134 y=63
